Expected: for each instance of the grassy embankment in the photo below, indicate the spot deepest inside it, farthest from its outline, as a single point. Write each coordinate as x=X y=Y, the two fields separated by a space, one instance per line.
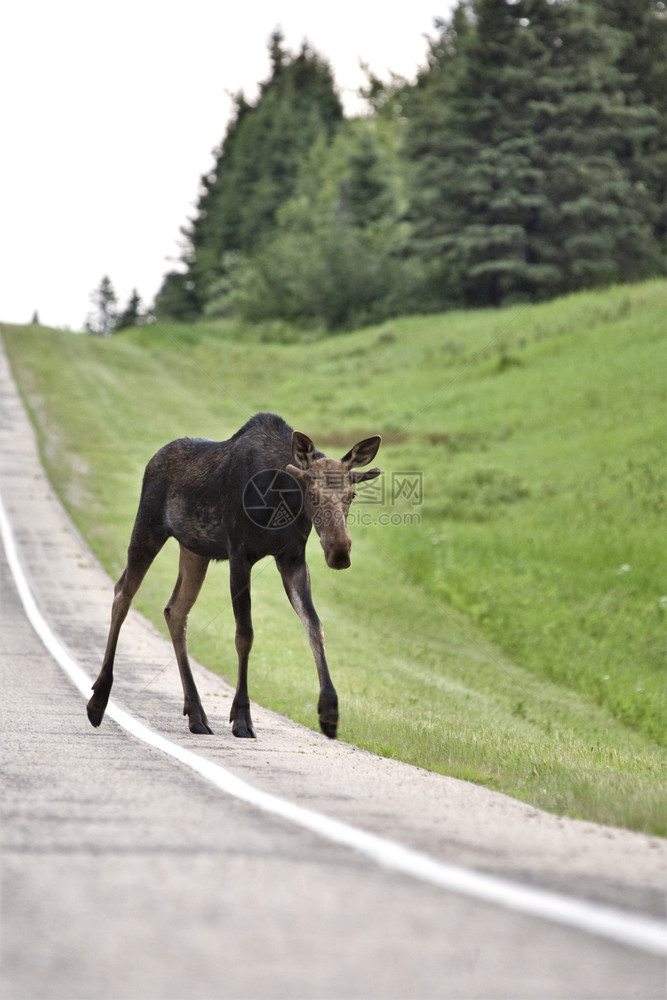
x=510 y=629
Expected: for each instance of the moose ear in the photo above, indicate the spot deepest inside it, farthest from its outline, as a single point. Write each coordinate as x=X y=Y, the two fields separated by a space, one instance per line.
x=303 y=450
x=362 y=453
x=360 y=477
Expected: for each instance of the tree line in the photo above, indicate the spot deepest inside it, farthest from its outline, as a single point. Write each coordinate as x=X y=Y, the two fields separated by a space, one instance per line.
x=528 y=159
x=106 y=318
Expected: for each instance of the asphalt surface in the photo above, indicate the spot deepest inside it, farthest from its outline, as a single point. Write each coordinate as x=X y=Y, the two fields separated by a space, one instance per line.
x=124 y=875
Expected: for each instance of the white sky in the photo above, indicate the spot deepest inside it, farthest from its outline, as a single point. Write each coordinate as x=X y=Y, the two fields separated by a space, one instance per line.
x=109 y=113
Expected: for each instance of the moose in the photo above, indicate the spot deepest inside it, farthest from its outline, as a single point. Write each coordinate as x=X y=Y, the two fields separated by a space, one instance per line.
x=257 y=494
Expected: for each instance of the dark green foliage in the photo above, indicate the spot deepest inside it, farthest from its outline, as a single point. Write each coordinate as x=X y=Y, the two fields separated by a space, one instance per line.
x=330 y=276
x=364 y=196
x=528 y=159
x=333 y=259
x=642 y=58
x=177 y=299
x=642 y=55
x=255 y=171
x=131 y=315
x=528 y=165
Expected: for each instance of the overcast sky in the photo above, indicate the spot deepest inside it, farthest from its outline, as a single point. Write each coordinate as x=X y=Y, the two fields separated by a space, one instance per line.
x=109 y=113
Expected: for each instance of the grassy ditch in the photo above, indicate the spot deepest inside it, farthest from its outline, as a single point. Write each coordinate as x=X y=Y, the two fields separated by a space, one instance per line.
x=504 y=617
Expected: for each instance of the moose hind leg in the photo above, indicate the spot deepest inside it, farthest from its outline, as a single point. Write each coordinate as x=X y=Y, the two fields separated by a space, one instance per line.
x=191 y=572
x=139 y=559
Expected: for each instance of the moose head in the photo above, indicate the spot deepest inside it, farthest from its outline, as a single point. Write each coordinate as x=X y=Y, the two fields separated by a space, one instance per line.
x=329 y=490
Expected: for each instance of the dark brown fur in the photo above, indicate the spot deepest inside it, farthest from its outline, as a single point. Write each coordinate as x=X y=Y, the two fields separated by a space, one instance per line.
x=203 y=493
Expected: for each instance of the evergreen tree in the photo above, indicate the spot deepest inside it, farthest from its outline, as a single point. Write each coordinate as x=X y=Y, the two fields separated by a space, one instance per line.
x=642 y=40
x=103 y=320
x=177 y=299
x=131 y=314
x=523 y=148
x=366 y=192
x=641 y=27
x=334 y=257
x=255 y=170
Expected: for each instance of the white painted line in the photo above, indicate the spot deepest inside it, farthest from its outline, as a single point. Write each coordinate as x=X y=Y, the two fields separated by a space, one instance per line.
x=633 y=930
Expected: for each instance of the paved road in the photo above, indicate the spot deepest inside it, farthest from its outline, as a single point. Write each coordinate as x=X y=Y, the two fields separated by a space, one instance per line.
x=126 y=876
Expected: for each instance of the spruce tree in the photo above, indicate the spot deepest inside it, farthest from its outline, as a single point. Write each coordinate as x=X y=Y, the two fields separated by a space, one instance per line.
x=333 y=259
x=255 y=170
x=641 y=27
x=524 y=157
x=131 y=314
x=103 y=320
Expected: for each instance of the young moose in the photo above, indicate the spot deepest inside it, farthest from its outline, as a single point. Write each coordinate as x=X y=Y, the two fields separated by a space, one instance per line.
x=240 y=499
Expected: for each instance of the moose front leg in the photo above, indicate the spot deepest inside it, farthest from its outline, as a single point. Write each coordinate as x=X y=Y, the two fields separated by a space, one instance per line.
x=239 y=582
x=296 y=580
x=144 y=546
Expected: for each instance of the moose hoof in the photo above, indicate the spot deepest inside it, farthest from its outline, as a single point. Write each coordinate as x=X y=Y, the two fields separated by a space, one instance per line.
x=244 y=732
x=201 y=729
x=241 y=722
x=95 y=715
x=329 y=729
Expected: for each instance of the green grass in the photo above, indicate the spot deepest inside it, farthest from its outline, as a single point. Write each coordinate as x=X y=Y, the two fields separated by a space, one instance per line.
x=511 y=630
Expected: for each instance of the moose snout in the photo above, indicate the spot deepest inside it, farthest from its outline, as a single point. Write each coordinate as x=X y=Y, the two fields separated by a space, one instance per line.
x=339 y=560
x=337 y=556
x=334 y=539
